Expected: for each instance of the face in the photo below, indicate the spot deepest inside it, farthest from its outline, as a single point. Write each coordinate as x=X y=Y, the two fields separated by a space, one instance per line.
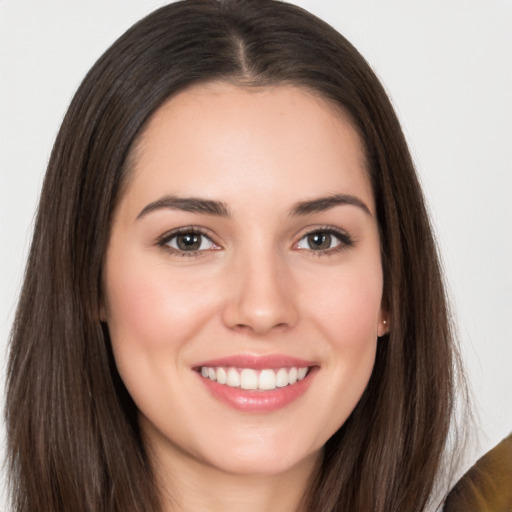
x=243 y=278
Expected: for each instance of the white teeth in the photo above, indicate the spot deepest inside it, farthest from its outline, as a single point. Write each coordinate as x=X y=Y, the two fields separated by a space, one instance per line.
x=222 y=376
x=267 y=379
x=249 y=379
x=233 y=378
x=300 y=375
x=282 y=378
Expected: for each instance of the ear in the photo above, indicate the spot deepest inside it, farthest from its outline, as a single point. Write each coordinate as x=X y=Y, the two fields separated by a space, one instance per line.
x=383 y=326
x=102 y=312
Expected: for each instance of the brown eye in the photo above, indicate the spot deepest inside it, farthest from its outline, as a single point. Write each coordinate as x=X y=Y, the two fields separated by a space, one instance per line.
x=189 y=241
x=320 y=241
x=324 y=240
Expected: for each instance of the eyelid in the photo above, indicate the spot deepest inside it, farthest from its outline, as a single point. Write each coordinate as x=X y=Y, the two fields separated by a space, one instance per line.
x=164 y=239
x=345 y=239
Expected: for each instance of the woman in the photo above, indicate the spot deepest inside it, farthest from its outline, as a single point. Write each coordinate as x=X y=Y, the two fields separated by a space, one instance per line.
x=233 y=297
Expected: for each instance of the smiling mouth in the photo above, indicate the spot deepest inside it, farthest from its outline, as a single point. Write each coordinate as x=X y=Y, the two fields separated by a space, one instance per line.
x=249 y=379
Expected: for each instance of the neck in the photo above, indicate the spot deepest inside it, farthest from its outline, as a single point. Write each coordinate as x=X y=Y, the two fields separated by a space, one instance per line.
x=190 y=485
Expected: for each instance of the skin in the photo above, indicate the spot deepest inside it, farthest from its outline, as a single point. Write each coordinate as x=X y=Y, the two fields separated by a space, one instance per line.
x=255 y=286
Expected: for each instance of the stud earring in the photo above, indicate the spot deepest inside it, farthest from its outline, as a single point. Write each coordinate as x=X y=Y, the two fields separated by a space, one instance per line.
x=383 y=330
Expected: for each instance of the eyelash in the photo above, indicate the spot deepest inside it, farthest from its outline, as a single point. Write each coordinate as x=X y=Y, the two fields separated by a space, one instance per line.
x=344 y=239
x=166 y=238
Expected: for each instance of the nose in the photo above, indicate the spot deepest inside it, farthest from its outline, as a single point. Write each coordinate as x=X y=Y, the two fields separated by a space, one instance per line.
x=260 y=296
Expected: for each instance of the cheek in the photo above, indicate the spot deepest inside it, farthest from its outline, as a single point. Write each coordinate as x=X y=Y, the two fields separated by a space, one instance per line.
x=347 y=313
x=151 y=308
x=346 y=309
x=347 y=305
x=153 y=313
x=138 y=308
x=352 y=314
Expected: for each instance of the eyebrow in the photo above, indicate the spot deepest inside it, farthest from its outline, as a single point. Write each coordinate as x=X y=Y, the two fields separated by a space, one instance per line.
x=186 y=204
x=326 y=203
x=219 y=209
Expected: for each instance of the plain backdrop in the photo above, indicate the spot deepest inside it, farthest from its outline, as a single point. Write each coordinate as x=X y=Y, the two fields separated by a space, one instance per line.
x=447 y=66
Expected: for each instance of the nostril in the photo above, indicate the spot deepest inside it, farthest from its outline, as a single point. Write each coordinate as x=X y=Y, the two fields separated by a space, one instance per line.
x=258 y=306
x=260 y=328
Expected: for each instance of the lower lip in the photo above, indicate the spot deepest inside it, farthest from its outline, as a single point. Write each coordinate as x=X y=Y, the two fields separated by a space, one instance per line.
x=259 y=401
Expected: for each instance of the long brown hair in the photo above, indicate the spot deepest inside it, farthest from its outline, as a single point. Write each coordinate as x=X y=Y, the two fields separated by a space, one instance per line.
x=73 y=438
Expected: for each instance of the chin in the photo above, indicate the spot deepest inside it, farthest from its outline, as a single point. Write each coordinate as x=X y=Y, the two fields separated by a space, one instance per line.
x=262 y=456
x=264 y=464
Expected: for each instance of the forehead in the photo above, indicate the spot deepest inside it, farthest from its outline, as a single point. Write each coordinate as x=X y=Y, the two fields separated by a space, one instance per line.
x=218 y=138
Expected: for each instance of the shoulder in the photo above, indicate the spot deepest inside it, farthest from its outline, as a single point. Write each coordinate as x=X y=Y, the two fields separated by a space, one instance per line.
x=487 y=486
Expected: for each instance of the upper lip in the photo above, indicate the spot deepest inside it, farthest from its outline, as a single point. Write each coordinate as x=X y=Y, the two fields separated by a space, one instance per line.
x=257 y=362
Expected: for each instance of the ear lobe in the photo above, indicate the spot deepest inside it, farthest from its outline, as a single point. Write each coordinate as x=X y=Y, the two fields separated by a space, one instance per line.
x=383 y=327
x=102 y=313
x=102 y=306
